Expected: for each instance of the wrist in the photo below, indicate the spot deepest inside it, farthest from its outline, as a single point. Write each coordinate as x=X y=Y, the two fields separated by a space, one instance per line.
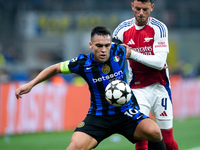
x=32 y=83
x=133 y=55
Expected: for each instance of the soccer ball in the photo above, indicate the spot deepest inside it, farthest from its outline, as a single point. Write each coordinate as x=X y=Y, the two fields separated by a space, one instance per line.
x=118 y=93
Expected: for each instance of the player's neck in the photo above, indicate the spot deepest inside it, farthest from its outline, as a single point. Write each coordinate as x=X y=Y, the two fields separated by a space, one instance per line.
x=141 y=24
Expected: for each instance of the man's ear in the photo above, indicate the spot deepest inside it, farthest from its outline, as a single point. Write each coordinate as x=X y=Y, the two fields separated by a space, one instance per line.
x=132 y=6
x=90 y=45
x=152 y=7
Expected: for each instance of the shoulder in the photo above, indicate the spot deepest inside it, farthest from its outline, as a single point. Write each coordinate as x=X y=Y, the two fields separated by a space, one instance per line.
x=124 y=25
x=158 y=26
x=117 y=48
x=127 y=22
x=80 y=59
x=76 y=64
x=81 y=56
x=156 y=22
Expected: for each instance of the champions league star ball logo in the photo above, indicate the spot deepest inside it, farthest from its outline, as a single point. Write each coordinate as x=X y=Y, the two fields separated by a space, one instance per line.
x=118 y=93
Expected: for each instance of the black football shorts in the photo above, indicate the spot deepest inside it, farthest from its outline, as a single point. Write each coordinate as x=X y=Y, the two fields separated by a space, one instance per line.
x=101 y=127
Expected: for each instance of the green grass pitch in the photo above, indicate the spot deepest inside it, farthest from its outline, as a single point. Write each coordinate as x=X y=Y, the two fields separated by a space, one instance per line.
x=186 y=133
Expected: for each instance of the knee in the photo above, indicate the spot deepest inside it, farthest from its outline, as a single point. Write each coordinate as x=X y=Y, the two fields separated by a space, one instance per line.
x=74 y=146
x=154 y=132
x=81 y=144
x=148 y=130
x=155 y=135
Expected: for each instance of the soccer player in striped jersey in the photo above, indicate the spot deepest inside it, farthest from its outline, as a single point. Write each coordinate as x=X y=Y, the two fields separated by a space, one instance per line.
x=148 y=39
x=106 y=63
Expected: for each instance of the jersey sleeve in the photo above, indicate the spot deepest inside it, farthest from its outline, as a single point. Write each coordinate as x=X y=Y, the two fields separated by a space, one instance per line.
x=73 y=65
x=161 y=39
x=118 y=33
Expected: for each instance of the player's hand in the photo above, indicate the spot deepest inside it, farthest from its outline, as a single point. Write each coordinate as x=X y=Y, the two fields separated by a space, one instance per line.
x=165 y=66
x=23 y=90
x=128 y=50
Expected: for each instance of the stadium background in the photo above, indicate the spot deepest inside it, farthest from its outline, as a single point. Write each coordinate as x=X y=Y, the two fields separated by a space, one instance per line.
x=37 y=33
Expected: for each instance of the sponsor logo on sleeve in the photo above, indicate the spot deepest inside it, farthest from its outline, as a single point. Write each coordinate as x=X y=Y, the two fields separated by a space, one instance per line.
x=161 y=44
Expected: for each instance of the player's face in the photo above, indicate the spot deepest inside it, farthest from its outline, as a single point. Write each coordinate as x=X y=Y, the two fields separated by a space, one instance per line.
x=100 y=46
x=141 y=11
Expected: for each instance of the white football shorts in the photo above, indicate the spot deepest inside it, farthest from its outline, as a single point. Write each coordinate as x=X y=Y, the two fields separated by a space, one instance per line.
x=155 y=99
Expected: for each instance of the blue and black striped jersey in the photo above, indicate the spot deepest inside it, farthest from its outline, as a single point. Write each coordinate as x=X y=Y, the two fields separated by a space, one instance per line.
x=98 y=75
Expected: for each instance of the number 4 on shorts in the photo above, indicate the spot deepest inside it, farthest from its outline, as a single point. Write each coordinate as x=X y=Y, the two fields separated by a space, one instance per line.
x=164 y=103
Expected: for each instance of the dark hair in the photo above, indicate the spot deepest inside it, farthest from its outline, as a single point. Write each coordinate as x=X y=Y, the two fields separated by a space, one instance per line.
x=144 y=1
x=100 y=30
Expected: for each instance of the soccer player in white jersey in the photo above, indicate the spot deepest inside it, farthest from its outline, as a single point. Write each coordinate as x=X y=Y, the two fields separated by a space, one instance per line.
x=148 y=39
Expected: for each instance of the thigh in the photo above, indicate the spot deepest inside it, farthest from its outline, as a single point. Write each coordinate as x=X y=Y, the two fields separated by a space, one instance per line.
x=148 y=130
x=144 y=109
x=81 y=140
x=162 y=108
x=97 y=127
x=142 y=96
x=128 y=123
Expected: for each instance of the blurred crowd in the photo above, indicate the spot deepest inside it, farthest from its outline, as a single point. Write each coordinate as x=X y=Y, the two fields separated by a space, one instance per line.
x=177 y=14
x=11 y=55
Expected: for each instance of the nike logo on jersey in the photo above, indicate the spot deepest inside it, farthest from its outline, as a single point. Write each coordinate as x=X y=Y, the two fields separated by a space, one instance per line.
x=87 y=68
x=147 y=39
x=131 y=42
x=139 y=117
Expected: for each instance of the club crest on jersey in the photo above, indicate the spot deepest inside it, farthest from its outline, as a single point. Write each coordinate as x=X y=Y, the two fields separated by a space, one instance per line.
x=105 y=69
x=81 y=125
x=147 y=39
x=116 y=58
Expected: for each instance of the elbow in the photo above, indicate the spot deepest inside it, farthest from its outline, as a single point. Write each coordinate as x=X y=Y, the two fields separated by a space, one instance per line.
x=160 y=65
x=55 y=69
x=160 y=68
x=160 y=62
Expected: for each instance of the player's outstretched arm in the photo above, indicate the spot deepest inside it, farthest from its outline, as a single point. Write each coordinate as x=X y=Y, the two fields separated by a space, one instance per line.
x=42 y=76
x=156 y=61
